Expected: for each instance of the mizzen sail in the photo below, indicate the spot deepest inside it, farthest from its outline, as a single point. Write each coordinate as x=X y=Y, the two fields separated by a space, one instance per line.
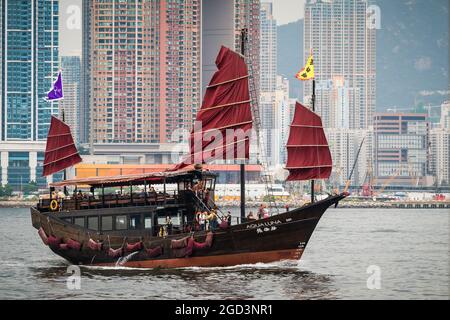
x=60 y=151
x=309 y=156
x=224 y=122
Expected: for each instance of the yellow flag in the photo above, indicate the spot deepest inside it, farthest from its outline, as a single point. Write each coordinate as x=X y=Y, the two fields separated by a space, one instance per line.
x=307 y=73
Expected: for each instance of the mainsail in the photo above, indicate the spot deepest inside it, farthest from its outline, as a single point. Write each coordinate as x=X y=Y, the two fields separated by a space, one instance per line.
x=60 y=151
x=224 y=122
x=309 y=156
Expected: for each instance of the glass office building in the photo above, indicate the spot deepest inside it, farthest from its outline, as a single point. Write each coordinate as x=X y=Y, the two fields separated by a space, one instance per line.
x=28 y=66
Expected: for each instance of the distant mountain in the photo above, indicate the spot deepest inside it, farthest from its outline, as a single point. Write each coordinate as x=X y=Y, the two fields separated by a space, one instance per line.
x=290 y=53
x=412 y=53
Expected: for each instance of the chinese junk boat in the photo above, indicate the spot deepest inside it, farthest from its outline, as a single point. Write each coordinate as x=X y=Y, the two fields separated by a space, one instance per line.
x=148 y=220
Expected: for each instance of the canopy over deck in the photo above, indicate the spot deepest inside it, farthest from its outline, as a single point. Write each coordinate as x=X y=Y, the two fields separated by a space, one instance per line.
x=135 y=179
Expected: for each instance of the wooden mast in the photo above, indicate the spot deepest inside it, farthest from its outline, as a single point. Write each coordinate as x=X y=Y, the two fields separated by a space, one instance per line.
x=65 y=170
x=242 y=165
x=313 y=109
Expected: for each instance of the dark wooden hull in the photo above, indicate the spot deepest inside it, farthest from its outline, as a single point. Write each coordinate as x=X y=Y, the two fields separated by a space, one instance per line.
x=280 y=237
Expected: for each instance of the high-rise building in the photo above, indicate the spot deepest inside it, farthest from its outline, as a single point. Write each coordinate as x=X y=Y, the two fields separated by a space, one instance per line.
x=144 y=64
x=440 y=148
x=85 y=74
x=269 y=126
x=29 y=64
x=268 y=49
x=401 y=148
x=70 y=105
x=445 y=115
x=344 y=146
x=343 y=45
x=283 y=116
x=440 y=155
x=337 y=103
x=268 y=104
x=221 y=24
x=247 y=16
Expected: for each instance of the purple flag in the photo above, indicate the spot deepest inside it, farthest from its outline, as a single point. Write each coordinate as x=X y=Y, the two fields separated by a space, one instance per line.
x=56 y=93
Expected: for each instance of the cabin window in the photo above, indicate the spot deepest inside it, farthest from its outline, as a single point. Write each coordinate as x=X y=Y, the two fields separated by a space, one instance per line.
x=135 y=221
x=121 y=222
x=93 y=223
x=148 y=222
x=107 y=223
x=79 y=221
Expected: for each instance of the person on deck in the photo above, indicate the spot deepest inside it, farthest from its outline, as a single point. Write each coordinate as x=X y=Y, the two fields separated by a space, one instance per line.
x=250 y=216
x=169 y=225
x=212 y=218
x=261 y=211
x=265 y=212
x=203 y=220
x=198 y=218
x=228 y=217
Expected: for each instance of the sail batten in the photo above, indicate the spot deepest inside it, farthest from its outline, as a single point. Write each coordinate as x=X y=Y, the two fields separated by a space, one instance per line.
x=309 y=155
x=60 y=151
x=225 y=108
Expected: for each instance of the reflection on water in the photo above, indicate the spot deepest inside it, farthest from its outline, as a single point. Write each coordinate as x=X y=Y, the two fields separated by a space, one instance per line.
x=333 y=266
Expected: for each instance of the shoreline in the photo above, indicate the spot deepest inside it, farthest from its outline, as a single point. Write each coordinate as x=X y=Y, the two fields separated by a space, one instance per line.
x=16 y=203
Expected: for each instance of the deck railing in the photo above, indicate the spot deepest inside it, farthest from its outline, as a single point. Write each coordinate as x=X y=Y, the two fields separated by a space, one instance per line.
x=108 y=201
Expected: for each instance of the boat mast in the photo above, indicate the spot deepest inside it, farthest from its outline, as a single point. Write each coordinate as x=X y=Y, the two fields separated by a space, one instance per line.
x=65 y=170
x=313 y=98
x=242 y=165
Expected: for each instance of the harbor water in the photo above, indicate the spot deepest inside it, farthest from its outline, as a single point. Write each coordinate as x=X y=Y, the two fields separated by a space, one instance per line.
x=353 y=254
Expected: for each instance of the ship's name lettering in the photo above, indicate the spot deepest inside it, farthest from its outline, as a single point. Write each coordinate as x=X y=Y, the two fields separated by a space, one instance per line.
x=263 y=224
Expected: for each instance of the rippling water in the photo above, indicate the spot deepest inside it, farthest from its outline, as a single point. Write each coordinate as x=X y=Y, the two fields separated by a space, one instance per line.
x=411 y=248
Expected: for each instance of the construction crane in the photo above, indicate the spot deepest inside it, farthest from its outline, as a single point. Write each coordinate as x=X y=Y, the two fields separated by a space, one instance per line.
x=368 y=182
x=391 y=178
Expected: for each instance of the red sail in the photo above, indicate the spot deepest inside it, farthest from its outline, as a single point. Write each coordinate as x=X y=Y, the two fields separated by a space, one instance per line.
x=60 y=151
x=309 y=156
x=225 y=110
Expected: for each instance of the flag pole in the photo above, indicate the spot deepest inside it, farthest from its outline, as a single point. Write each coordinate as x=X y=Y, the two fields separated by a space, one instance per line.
x=313 y=109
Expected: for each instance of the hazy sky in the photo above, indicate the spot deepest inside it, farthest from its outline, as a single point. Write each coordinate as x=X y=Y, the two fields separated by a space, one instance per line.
x=285 y=11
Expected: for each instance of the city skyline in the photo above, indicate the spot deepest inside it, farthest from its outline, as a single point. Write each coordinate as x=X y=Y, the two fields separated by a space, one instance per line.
x=285 y=11
x=140 y=80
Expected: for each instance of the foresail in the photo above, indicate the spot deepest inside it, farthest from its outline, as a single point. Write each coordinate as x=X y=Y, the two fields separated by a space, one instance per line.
x=60 y=151
x=309 y=155
x=224 y=122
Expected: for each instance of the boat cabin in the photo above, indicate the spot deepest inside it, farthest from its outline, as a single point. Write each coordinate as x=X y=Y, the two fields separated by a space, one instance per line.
x=161 y=203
